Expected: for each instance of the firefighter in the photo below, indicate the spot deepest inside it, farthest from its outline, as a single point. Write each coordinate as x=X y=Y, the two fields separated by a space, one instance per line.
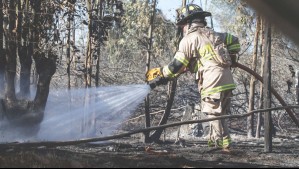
x=215 y=82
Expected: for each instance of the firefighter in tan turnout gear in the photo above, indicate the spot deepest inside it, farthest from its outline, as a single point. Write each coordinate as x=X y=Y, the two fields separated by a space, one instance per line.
x=199 y=53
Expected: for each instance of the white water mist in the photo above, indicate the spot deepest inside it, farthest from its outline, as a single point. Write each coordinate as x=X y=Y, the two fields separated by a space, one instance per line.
x=81 y=113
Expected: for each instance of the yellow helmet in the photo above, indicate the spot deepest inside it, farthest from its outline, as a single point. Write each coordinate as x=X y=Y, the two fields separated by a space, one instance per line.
x=189 y=12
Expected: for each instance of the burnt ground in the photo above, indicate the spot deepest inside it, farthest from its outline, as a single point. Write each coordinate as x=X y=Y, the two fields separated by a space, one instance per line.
x=131 y=152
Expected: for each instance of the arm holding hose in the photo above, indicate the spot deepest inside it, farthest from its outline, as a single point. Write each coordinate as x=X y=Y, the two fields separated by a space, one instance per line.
x=161 y=75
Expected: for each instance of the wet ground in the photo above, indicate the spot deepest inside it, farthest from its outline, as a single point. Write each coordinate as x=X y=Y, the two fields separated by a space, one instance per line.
x=130 y=152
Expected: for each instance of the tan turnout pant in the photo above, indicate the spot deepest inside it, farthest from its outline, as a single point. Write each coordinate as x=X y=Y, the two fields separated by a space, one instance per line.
x=214 y=106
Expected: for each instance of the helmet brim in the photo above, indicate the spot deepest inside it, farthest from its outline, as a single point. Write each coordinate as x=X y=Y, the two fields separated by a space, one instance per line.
x=201 y=14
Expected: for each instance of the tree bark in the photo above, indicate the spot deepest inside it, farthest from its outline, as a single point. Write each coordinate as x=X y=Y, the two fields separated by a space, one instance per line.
x=267 y=88
x=70 y=19
x=11 y=55
x=157 y=134
x=261 y=104
x=25 y=112
x=25 y=57
x=171 y=92
x=24 y=52
x=250 y=119
x=147 y=138
x=99 y=12
x=88 y=61
x=2 y=54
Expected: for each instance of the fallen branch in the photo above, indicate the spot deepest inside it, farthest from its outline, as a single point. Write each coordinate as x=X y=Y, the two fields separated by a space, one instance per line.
x=153 y=113
x=88 y=140
x=138 y=117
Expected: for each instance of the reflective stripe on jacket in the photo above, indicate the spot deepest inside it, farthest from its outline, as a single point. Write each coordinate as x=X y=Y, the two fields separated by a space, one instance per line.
x=195 y=54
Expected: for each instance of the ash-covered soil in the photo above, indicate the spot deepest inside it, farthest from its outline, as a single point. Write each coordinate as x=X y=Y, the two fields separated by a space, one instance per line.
x=131 y=152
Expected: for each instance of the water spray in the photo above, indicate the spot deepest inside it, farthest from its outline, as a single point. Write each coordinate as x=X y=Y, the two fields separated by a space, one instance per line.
x=80 y=113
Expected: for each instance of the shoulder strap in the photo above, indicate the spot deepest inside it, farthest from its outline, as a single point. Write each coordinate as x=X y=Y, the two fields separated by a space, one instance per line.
x=208 y=34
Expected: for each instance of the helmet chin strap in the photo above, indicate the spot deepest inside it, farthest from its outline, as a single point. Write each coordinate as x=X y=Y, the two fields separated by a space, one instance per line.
x=189 y=24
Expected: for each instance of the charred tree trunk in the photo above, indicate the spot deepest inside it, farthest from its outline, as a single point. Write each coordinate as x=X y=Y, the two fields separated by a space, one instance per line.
x=11 y=55
x=25 y=112
x=25 y=51
x=297 y=86
x=45 y=68
x=148 y=60
x=75 y=58
x=100 y=17
x=13 y=108
x=171 y=93
x=25 y=56
x=250 y=119
x=68 y=48
x=267 y=86
x=261 y=105
x=2 y=54
x=88 y=61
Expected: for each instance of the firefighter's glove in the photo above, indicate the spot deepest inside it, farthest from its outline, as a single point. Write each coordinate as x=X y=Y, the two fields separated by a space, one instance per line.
x=158 y=81
x=155 y=77
x=152 y=74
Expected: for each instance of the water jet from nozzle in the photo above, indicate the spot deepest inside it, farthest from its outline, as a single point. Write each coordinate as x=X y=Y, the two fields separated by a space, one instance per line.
x=81 y=113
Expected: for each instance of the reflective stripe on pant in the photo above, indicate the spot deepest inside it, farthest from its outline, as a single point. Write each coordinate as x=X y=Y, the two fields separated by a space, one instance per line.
x=226 y=142
x=219 y=143
x=219 y=132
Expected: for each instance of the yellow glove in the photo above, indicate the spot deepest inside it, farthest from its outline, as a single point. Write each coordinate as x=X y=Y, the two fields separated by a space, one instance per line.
x=153 y=74
x=155 y=78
